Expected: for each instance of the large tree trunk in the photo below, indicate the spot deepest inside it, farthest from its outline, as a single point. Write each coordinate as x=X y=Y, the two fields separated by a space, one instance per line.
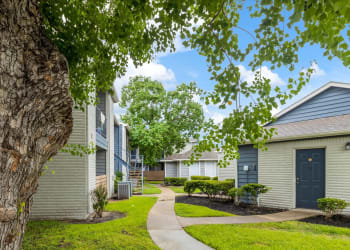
x=35 y=112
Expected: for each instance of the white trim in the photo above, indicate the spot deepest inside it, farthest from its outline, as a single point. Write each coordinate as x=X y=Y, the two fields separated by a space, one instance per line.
x=165 y=169
x=311 y=95
x=116 y=122
x=179 y=168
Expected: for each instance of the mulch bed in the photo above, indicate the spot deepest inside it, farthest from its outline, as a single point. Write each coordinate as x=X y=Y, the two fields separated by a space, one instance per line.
x=337 y=220
x=227 y=206
x=106 y=216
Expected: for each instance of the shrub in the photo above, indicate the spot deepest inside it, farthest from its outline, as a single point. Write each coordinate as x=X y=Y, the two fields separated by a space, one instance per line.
x=175 y=181
x=235 y=194
x=254 y=189
x=215 y=178
x=209 y=187
x=225 y=186
x=232 y=180
x=99 y=200
x=191 y=186
x=118 y=177
x=195 y=178
x=331 y=206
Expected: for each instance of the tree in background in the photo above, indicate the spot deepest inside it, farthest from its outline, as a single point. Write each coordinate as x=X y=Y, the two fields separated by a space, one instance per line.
x=161 y=121
x=55 y=51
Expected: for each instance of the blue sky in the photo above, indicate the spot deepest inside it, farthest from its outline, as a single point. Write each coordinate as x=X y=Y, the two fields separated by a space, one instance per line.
x=186 y=65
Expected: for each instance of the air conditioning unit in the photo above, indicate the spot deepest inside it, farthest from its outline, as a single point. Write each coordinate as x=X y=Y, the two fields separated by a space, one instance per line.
x=124 y=190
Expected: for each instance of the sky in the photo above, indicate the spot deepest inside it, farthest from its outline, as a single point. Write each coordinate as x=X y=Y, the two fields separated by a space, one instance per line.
x=185 y=65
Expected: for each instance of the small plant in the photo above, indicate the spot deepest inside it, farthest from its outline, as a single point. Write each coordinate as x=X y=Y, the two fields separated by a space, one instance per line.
x=99 y=200
x=254 y=190
x=118 y=178
x=196 y=178
x=235 y=194
x=331 y=206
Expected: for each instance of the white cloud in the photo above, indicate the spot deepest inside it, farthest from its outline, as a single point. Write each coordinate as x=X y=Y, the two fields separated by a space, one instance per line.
x=275 y=111
x=317 y=71
x=154 y=70
x=248 y=75
x=217 y=117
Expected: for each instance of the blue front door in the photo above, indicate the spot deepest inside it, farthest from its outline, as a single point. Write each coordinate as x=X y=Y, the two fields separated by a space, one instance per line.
x=310 y=177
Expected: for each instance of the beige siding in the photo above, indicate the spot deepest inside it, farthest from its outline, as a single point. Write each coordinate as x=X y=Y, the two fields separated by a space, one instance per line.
x=229 y=172
x=277 y=170
x=63 y=194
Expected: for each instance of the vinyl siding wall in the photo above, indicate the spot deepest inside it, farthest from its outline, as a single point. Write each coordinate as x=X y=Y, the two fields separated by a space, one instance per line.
x=248 y=157
x=230 y=172
x=101 y=162
x=64 y=194
x=184 y=170
x=171 y=169
x=277 y=170
x=202 y=168
x=332 y=102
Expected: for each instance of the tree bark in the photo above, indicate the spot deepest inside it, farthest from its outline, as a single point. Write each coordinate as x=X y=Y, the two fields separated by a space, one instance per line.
x=35 y=112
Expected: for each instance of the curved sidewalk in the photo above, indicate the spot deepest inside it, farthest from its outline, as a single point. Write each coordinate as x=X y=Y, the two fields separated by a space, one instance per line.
x=295 y=214
x=164 y=228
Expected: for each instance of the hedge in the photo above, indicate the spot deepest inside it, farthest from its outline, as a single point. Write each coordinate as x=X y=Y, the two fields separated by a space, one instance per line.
x=175 y=181
x=209 y=187
x=196 y=178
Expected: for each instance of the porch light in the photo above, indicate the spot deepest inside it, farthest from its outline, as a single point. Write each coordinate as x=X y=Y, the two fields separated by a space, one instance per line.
x=347 y=146
x=245 y=168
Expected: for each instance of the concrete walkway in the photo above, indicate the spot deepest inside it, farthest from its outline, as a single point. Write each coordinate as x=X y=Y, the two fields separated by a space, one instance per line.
x=164 y=228
x=295 y=214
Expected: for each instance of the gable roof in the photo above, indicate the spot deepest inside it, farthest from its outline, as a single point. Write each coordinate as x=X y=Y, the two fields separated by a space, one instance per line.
x=311 y=95
x=330 y=126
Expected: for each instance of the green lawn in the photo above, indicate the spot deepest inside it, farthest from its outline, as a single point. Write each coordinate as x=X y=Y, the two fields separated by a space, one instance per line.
x=283 y=235
x=151 y=189
x=126 y=233
x=154 y=182
x=186 y=210
x=180 y=189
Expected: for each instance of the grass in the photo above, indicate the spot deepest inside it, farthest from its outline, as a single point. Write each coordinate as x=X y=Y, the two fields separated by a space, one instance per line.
x=180 y=189
x=154 y=182
x=126 y=233
x=186 y=210
x=283 y=235
x=150 y=189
